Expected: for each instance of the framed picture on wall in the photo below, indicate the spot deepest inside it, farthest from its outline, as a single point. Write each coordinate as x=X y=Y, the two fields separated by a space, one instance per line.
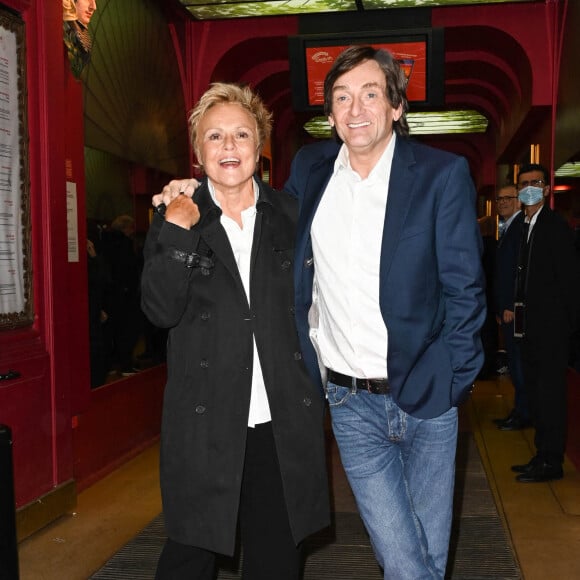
x=16 y=308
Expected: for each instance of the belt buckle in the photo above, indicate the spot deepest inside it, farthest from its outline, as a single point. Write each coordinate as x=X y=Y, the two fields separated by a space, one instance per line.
x=376 y=386
x=368 y=386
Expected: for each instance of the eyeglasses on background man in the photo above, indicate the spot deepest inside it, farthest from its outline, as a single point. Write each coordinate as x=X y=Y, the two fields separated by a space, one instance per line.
x=532 y=182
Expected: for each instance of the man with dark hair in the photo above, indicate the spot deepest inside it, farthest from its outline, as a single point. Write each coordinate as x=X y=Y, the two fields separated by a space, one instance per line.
x=546 y=314
x=506 y=263
x=389 y=304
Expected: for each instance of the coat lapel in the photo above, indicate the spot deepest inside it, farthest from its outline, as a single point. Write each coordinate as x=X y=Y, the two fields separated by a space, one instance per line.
x=212 y=232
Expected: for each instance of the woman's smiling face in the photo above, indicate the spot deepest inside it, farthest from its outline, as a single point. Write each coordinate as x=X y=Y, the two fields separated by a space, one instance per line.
x=227 y=144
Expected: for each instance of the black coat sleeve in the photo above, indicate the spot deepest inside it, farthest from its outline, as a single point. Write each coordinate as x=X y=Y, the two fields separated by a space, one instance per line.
x=165 y=279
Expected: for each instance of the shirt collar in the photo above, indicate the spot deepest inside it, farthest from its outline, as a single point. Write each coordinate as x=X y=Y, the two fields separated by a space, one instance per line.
x=343 y=160
x=533 y=219
x=211 y=189
x=511 y=219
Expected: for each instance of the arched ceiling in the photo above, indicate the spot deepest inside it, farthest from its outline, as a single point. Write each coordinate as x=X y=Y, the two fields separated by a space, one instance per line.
x=135 y=107
x=485 y=70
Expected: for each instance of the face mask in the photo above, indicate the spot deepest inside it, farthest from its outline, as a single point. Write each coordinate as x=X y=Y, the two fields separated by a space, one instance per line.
x=531 y=195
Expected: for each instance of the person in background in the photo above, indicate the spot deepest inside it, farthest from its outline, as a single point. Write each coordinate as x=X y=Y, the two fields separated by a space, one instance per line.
x=98 y=283
x=125 y=321
x=390 y=301
x=488 y=333
x=242 y=435
x=545 y=318
x=506 y=262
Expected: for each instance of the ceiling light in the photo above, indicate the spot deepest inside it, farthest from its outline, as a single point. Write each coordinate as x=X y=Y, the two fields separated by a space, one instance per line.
x=208 y=10
x=571 y=169
x=420 y=123
x=220 y=9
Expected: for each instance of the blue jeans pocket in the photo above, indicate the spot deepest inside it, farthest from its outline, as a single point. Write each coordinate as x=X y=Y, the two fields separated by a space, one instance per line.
x=337 y=395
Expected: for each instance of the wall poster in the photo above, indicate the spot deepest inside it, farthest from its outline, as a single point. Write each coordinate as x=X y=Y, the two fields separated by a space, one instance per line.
x=16 y=307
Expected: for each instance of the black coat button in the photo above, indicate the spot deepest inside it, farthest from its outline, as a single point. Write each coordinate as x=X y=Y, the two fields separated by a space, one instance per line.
x=205 y=315
x=200 y=409
x=307 y=401
x=297 y=356
x=204 y=364
x=286 y=264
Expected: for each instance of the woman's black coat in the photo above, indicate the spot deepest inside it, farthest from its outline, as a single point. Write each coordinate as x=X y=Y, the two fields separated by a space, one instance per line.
x=191 y=285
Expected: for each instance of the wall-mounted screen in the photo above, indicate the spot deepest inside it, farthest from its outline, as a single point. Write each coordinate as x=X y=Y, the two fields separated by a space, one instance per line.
x=420 y=53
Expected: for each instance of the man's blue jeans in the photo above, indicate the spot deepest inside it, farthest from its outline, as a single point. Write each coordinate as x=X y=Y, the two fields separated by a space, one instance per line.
x=401 y=470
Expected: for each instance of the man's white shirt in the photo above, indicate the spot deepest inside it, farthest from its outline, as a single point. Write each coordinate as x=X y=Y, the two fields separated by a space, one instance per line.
x=347 y=234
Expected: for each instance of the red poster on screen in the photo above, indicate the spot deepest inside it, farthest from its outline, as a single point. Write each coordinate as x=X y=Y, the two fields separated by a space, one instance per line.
x=412 y=57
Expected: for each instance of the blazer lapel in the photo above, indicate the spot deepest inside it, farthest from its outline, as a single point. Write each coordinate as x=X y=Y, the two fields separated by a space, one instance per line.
x=398 y=202
x=315 y=187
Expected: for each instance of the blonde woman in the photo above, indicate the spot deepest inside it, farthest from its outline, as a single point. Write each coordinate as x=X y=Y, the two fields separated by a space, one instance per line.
x=242 y=436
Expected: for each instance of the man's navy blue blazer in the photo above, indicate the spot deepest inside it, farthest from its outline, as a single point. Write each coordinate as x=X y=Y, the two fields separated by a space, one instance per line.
x=432 y=295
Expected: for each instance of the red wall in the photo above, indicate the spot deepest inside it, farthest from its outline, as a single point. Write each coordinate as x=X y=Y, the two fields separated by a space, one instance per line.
x=37 y=406
x=123 y=417
x=62 y=430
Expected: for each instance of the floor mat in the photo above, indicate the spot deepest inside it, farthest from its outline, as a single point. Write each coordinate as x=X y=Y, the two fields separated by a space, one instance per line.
x=480 y=548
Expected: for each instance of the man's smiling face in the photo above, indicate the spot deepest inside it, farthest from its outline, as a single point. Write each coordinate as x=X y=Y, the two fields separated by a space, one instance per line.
x=361 y=112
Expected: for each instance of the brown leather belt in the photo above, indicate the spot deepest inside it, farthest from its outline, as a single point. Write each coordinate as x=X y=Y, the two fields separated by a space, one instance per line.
x=374 y=386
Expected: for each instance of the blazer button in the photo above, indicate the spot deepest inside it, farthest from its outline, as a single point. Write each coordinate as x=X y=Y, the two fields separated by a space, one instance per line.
x=308 y=262
x=204 y=364
x=286 y=264
x=297 y=356
x=205 y=315
x=307 y=401
x=200 y=409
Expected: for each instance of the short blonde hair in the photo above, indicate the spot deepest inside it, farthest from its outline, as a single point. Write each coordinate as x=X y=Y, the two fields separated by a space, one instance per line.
x=220 y=93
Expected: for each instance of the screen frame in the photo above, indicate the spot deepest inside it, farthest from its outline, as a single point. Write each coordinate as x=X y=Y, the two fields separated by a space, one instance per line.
x=434 y=69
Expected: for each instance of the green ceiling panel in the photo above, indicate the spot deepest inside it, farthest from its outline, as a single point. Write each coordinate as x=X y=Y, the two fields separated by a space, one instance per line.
x=220 y=9
x=420 y=123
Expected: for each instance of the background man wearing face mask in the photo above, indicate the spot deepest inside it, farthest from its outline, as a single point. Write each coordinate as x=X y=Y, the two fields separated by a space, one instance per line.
x=547 y=288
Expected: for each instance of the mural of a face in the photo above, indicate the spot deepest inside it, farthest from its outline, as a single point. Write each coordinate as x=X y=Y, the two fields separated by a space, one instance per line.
x=85 y=10
x=76 y=15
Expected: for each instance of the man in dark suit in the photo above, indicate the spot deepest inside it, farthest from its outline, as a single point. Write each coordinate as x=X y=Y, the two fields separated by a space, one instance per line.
x=389 y=303
x=547 y=290
x=506 y=263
